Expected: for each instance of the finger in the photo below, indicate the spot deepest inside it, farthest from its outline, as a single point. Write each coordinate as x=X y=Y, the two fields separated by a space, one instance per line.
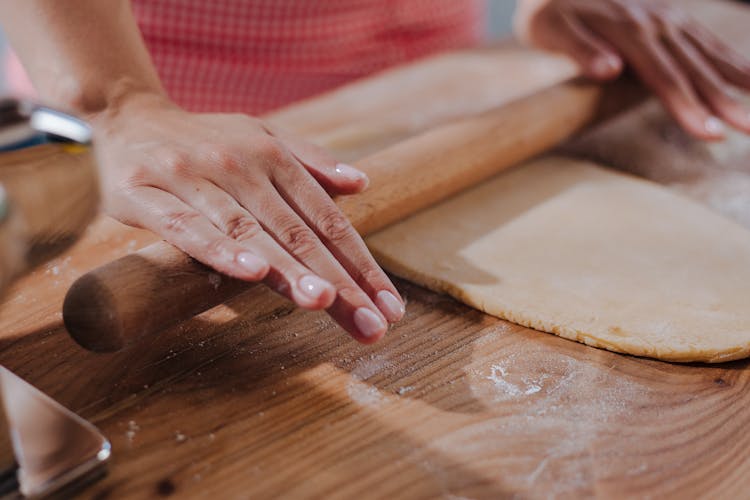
x=709 y=84
x=190 y=231
x=285 y=275
x=352 y=308
x=364 y=321
x=335 y=177
x=596 y=58
x=731 y=64
x=659 y=72
x=343 y=241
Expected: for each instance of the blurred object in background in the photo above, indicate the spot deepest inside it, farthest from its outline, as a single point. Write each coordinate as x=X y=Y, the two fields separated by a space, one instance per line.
x=44 y=448
x=48 y=193
x=500 y=17
x=3 y=61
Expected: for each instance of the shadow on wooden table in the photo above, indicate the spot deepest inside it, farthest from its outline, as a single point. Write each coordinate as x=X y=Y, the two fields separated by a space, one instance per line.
x=251 y=384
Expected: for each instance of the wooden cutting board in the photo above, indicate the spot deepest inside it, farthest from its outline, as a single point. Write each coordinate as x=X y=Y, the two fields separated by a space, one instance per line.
x=258 y=399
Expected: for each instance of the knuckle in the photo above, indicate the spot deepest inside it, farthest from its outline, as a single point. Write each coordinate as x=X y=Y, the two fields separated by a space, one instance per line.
x=242 y=228
x=220 y=156
x=175 y=162
x=217 y=249
x=139 y=176
x=271 y=151
x=334 y=226
x=180 y=221
x=373 y=274
x=300 y=241
x=227 y=160
x=350 y=292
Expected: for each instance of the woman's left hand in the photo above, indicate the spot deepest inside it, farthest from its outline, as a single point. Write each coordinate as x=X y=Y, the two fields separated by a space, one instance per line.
x=694 y=73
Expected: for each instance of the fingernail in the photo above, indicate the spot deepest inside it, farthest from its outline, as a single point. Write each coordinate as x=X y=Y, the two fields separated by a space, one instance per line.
x=614 y=62
x=351 y=172
x=368 y=323
x=714 y=126
x=606 y=65
x=390 y=306
x=252 y=262
x=313 y=287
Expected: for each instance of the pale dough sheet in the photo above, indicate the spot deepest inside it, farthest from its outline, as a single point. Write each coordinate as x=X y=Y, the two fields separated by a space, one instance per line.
x=569 y=248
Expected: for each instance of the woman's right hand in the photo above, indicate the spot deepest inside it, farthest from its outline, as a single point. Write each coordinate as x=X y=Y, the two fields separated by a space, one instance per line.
x=247 y=200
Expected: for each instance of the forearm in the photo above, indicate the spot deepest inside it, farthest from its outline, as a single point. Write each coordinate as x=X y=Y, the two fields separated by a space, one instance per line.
x=82 y=55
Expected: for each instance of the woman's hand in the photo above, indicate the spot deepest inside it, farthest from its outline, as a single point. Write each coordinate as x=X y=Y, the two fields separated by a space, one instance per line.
x=693 y=72
x=246 y=200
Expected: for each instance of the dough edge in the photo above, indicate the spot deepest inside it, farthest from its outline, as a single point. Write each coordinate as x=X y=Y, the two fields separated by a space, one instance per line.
x=597 y=340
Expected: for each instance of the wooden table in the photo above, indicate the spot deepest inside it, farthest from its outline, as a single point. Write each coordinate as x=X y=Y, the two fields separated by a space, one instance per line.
x=257 y=399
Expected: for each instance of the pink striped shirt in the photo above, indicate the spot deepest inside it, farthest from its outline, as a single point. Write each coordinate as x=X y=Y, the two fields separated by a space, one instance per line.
x=252 y=56
x=255 y=55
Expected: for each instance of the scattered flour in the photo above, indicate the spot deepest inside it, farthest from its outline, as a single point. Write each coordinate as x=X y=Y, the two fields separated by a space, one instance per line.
x=403 y=390
x=369 y=366
x=528 y=385
x=558 y=412
x=364 y=394
x=133 y=428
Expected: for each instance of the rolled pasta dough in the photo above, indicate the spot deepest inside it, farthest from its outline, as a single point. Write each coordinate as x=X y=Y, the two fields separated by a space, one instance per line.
x=598 y=257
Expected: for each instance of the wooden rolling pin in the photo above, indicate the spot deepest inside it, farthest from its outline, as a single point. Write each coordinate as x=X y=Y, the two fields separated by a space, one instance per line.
x=159 y=286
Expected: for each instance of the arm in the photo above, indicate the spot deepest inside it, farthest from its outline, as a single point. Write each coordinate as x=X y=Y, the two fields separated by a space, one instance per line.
x=250 y=201
x=85 y=56
x=689 y=68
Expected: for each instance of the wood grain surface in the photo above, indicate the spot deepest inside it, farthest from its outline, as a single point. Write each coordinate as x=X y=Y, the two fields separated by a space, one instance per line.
x=256 y=399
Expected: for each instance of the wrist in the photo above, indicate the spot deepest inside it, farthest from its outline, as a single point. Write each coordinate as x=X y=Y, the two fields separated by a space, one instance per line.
x=125 y=98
